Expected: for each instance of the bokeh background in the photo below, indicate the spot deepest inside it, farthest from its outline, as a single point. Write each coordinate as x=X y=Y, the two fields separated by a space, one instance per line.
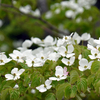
x=23 y=19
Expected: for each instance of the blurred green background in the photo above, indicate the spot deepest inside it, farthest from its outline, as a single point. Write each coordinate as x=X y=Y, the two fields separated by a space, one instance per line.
x=66 y=15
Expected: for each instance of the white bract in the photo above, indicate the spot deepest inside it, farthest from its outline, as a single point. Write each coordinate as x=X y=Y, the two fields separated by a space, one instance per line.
x=66 y=52
x=60 y=74
x=45 y=87
x=48 y=41
x=84 y=64
x=69 y=61
x=85 y=36
x=15 y=74
x=17 y=56
x=4 y=59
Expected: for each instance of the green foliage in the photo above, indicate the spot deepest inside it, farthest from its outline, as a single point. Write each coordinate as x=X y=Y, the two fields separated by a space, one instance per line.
x=50 y=96
x=82 y=85
x=95 y=66
x=73 y=76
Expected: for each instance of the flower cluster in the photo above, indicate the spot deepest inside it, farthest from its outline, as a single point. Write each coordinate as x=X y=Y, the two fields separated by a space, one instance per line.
x=57 y=57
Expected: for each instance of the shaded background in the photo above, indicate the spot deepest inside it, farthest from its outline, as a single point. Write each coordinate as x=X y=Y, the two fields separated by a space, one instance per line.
x=15 y=27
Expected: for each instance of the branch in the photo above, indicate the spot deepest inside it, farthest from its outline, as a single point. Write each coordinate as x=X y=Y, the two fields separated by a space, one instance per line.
x=34 y=17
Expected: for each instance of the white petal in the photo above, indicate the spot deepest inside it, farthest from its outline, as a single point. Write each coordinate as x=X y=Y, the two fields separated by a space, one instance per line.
x=70 y=48
x=41 y=88
x=83 y=62
x=72 y=59
x=27 y=43
x=92 y=57
x=81 y=68
x=85 y=36
x=62 y=50
x=70 y=55
x=65 y=61
x=59 y=71
x=48 y=39
x=9 y=77
x=20 y=71
x=14 y=71
x=48 y=82
x=52 y=78
x=48 y=87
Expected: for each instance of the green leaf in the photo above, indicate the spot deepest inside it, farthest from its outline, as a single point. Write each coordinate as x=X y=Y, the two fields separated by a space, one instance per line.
x=60 y=91
x=50 y=96
x=23 y=65
x=73 y=91
x=82 y=85
x=14 y=95
x=35 y=81
x=97 y=74
x=95 y=66
x=4 y=94
x=73 y=76
x=90 y=80
x=68 y=91
x=97 y=87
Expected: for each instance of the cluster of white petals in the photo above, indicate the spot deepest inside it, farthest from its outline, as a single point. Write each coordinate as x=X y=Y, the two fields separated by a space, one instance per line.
x=45 y=87
x=74 y=7
x=58 y=49
x=4 y=59
x=15 y=74
x=60 y=73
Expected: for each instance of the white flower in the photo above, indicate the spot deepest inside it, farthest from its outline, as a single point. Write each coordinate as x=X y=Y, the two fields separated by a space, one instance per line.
x=36 y=13
x=95 y=51
x=17 y=56
x=48 y=15
x=48 y=41
x=33 y=91
x=57 y=11
x=26 y=9
x=80 y=56
x=76 y=38
x=33 y=61
x=92 y=42
x=4 y=59
x=66 y=52
x=85 y=36
x=15 y=74
x=84 y=64
x=97 y=41
x=60 y=74
x=45 y=87
x=68 y=62
x=53 y=56
x=16 y=86
x=69 y=13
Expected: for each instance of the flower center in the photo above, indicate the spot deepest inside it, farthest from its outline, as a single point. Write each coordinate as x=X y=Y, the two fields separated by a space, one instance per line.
x=58 y=76
x=14 y=74
x=42 y=57
x=65 y=52
x=85 y=66
x=65 y=38
x=96 y=54
x=1 y=61
x=32 y=62
x=17 y=57
x=68 y=62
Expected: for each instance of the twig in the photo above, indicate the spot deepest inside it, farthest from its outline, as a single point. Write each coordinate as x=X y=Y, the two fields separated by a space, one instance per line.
x=34 y=17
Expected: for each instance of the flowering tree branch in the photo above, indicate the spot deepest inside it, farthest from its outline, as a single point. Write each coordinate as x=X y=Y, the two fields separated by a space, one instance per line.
x=52 y=27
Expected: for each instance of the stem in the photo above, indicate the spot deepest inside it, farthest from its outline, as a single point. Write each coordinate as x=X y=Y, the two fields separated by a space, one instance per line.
x=34 y=17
